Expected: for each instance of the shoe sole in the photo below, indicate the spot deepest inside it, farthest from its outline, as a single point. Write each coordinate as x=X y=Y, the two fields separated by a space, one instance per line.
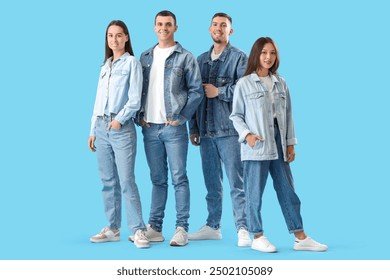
x=157 y=239
x=204 y=238
x=105 y=240
x=175 y=244
x=264 y=251
x=244 y=244
x=310 y=249
x=141 y=246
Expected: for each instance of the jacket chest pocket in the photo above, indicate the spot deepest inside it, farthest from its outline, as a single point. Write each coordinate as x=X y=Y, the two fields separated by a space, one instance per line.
x=257 y=98
x=119 y=77
x=223 y=81
x=282 y=100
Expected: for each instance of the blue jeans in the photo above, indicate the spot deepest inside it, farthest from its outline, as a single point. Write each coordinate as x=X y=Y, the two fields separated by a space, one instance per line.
x=215 y=151
x=255 y=179
x=116 y=151
x=167 y=145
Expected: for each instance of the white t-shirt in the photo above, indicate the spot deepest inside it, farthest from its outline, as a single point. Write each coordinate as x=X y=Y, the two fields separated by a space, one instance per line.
x=155 y=106
x=214 y=56
x=268 y=83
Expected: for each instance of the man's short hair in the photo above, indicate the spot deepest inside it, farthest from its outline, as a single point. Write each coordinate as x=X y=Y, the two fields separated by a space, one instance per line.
x=165 y=13
x=223 y=15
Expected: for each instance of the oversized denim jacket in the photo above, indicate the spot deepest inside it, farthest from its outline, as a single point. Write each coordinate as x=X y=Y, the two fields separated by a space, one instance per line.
x=182 y=84
x=212 y=116
x=252 y=113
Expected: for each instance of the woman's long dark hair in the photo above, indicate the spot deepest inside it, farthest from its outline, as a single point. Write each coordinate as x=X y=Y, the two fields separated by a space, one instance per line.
x=128 y=47
x=254 y=56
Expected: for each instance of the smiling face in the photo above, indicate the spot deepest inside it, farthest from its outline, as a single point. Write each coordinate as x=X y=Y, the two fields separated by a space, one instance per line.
x=165 y=28
x=220 y=30
x=116 y=39
x=267 y=57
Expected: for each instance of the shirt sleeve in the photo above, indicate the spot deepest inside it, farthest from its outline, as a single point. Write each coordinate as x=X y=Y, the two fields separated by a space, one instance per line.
x=291 y=139
x=238 y=114
x=195 y=90
x=225 y=93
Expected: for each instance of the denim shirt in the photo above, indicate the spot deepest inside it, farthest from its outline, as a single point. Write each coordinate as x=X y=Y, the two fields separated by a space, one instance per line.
x=182 y=84
x=252 y=113
x=120 y=86
x=212 y=116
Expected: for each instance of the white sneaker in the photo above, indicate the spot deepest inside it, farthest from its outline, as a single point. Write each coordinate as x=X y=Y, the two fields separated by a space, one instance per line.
x=106 y=235
x=206 y=233
x=244 y=239
x=151 y=234
x=140 y=240
x=263 y=245
x=309 y=244
x=180 y=237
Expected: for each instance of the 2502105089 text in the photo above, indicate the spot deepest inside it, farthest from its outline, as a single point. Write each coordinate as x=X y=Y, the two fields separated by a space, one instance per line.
x=223 y=270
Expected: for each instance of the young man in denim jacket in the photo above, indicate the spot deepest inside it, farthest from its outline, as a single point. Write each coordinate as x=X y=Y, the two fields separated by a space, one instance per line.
x=211 y=129
x=172 y=90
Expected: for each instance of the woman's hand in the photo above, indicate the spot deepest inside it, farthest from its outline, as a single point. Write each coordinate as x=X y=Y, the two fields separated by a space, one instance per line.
x=252 y=138
x=290 y=153
x=115 y=125
x=91 y=143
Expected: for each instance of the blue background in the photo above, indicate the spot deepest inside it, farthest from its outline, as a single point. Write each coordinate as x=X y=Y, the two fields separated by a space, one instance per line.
x=334 y=56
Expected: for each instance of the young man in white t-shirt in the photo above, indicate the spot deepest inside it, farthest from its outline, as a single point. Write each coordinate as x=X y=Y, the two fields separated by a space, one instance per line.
x=172 y=91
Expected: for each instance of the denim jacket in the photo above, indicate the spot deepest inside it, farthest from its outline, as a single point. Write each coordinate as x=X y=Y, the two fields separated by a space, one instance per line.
x=212 y=116
x=120 y=87
x=182 y=84
x=252 y=113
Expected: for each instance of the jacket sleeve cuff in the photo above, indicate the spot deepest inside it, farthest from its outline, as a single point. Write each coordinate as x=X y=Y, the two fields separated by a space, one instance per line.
x=292 y=141
x=243 y=135
x=181 y=119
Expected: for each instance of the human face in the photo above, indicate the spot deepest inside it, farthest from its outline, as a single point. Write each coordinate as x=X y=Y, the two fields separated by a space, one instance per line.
x=220 y=30
x=165 y=29
x=116 y=39
x=267 y=57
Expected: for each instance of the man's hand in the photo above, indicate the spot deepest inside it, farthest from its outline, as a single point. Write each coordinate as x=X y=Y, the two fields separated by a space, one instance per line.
x=195 y=139
x=210 y=90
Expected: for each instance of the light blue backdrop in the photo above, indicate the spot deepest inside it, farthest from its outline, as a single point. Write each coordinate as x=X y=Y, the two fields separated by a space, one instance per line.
x=334 y=56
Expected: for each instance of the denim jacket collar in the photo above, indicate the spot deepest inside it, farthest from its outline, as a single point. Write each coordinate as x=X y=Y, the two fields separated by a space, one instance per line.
x=274 y=77
x=108 y=61
x=223 y=55
x=178 y=49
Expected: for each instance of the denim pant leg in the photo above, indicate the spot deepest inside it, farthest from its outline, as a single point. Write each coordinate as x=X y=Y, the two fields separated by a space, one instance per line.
x=111 y=191
x=255 y=179
x=284 y=187
x=124 y=145
x=229 y=150
x=212 y=173
x=176 y=144
x=157 y=160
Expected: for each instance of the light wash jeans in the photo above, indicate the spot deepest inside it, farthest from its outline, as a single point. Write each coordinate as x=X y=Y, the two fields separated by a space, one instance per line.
x=255 y=179
x=214 y=151
x=167 y=145
x=116 y=151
